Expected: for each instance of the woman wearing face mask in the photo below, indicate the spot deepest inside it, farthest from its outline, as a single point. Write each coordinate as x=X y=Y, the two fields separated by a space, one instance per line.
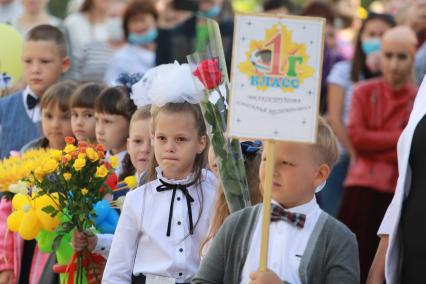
x=339 y=89
x=140 y=33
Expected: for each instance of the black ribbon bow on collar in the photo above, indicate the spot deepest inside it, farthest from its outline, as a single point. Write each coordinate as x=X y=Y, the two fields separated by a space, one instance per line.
x=32 y=102
x=280 y=214
x=184 y=188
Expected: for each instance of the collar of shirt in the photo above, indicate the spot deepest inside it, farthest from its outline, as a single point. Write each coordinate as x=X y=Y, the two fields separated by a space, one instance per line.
x=186 y=180
x=35 y=113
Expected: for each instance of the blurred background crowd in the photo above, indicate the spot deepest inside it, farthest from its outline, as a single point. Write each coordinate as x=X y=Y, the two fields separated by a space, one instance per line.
x=110 y=37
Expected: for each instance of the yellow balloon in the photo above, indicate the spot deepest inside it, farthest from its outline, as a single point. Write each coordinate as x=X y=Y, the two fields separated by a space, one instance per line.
x=30 y=226
x=48 y=223
x=14 y=220
x=44 y=201
x=19 y=200
x=10 y=53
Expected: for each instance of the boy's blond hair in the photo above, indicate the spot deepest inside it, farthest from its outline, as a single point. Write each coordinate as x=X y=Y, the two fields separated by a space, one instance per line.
x=49 y=33
x=326 y=146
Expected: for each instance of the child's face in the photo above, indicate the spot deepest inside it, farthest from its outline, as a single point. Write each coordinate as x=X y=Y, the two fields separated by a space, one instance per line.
x=142 y=23
x=83 y=124
x=112 y=131
x=34 y=6
x=139 y=144
x=43 y=65
x=176 y=143
x=56 y=125
x=296 y=173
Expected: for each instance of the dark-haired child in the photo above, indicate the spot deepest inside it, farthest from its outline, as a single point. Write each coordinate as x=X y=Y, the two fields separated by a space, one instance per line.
x=83 y=111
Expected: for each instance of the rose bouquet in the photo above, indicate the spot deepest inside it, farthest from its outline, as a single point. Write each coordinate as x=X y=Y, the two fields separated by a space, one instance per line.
x=69 y=183
x=209 y=69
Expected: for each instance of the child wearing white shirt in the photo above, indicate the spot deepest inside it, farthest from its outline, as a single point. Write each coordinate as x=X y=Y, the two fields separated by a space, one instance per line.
x=164 y=221
x=306 y=245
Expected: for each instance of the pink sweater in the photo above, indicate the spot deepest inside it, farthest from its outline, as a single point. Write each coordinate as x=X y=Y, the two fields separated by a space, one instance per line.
x=12 y=246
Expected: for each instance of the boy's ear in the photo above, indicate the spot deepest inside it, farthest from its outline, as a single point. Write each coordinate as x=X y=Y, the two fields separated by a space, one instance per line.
x=66 y=64
x=322 y=174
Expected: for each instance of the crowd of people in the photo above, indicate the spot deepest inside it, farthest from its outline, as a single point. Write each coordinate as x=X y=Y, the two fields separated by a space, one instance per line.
x=176 y=226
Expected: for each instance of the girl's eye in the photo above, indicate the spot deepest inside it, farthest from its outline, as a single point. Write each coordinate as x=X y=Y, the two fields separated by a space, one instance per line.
x=137 y=141
x=286 y=163
x=161 y=138
x=181 y=139
x=88 y=115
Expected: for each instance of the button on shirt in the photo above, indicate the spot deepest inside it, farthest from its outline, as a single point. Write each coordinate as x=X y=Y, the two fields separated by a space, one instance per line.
x=287 y=244
x=140 y=243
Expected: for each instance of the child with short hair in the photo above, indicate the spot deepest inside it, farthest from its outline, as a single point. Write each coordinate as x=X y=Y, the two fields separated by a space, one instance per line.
x=113 y=111
x=312 y=247
x=164 y=244
x=138 y=145
x=83 y=111
x=22 y=261
x=44 y=59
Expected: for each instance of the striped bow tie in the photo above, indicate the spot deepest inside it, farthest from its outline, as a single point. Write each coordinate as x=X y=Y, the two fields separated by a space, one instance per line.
x=279 y=214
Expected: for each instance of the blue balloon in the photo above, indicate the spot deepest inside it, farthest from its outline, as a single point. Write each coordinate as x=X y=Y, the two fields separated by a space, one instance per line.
x=106 y=217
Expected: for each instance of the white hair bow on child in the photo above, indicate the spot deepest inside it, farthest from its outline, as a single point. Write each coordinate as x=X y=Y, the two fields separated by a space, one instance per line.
x=167 y=83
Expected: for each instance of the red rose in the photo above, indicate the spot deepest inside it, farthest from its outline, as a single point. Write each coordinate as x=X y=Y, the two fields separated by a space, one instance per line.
x=208 y=73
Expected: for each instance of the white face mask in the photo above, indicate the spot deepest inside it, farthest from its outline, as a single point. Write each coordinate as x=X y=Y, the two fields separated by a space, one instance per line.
x=115 y=29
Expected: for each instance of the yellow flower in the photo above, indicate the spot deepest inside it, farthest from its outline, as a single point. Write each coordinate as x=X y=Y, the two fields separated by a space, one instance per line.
x=50 y=166
x=92 y=154
x=79 y=164
x=39 y=173
x=67 y=176
x=113 y=160
x=68 y=157
x=56 y=154
x=101 y=171
x=82 y=156
x=84 y=191
x=70 y=148
x=131 y=181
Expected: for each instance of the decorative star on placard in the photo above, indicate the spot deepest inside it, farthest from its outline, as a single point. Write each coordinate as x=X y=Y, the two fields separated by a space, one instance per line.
x=310 y=92
x=243 y=38
x=304 y=28
x=249 y=23
x=311 y=42
x=242 y=85
x=276 y=132
x=304 y=121
x=238 y=120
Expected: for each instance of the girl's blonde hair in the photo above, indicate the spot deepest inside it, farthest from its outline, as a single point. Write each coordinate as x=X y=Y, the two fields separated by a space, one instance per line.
x=194 y=110
x=221 y=210
x=143 y=113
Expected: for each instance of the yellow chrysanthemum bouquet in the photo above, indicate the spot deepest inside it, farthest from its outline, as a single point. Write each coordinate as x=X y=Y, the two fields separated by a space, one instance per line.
x=58 y=194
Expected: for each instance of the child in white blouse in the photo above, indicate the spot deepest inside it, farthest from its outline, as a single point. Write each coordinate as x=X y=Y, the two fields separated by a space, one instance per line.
x=164 y=221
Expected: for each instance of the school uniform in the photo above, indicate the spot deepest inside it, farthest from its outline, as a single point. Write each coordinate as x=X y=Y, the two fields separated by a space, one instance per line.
x=160 y=230
x=314 y=249
x=20 y=118
x=399 y=206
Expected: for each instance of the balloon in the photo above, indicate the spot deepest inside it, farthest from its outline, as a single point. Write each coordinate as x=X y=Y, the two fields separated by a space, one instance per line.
x=10 y=55
x=30 y=226
x=47 y=222
x=14 y=220
x=19 y=200
x=106 y=217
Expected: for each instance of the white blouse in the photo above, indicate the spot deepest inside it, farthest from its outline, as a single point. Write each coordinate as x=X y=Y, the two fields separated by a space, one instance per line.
x=140 y=243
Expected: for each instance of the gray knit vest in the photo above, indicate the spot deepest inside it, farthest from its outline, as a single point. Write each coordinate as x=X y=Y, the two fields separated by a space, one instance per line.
x=17 y=129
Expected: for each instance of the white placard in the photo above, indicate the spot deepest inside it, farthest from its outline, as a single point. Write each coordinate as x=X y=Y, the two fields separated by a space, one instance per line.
x=275 y=77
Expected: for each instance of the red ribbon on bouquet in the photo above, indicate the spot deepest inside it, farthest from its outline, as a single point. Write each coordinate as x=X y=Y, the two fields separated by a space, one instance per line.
x=71 y=267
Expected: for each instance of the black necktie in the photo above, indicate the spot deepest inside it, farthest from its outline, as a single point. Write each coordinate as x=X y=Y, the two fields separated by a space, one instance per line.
x=279 y=214
x=184 y=188
x=32 y=102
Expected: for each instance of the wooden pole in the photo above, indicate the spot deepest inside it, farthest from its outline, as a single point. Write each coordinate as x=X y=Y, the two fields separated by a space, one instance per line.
x=266 y=216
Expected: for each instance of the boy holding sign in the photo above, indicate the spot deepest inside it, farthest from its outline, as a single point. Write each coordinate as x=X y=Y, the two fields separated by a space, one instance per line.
x=306 y=245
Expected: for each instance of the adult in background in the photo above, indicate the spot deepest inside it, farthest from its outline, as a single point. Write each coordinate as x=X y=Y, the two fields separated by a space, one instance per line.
x=10 y=10
x=339 y=93
x=88 y=24
x=138 y=54
x=379 y=112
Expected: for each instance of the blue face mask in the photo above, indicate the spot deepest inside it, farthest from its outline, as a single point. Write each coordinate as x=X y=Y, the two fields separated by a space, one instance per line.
x=370 y=45
x=212 y=13
x=143 y=39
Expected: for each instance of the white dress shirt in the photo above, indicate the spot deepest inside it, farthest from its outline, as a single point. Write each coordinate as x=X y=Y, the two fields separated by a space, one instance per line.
x=140 y=243
x=35 y=113
x=287 y=244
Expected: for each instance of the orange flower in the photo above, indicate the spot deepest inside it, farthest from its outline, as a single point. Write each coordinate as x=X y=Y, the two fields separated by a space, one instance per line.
x=69 y=140
x=101 y=154
x=100 y=148
x=82 y=144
